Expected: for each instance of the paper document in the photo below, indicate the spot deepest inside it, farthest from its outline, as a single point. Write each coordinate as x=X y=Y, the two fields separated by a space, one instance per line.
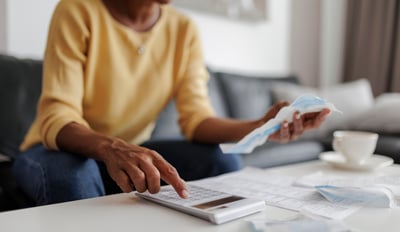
x=301 y=223
x=304 y=104
x=277 y=190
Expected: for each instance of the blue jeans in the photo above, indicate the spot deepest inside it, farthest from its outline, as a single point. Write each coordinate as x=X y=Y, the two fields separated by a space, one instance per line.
x=53 y=176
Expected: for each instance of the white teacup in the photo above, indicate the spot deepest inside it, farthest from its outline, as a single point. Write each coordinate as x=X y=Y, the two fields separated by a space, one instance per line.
x=355 y=146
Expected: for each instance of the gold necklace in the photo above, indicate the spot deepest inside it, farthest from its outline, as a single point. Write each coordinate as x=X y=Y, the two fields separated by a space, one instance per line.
x=141 y=48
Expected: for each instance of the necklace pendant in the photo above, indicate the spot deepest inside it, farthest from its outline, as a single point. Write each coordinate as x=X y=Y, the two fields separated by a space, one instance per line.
x=140 y=50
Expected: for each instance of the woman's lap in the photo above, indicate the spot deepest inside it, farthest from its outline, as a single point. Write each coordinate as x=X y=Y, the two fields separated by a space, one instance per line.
x=54 y=176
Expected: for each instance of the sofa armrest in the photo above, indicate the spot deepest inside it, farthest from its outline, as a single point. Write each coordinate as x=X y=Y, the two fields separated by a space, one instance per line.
x=20 y=87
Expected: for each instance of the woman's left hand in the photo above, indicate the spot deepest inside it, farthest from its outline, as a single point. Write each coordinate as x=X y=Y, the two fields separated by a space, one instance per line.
x=300 y=124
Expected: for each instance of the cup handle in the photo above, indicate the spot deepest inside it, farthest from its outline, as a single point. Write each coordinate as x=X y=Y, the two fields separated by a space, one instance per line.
x=336 y=146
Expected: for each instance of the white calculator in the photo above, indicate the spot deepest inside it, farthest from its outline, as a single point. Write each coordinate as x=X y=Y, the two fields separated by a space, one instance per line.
x=214 y=206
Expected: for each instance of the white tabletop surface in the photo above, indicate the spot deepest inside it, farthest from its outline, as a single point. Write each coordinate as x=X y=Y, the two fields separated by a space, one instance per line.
x=126 y=212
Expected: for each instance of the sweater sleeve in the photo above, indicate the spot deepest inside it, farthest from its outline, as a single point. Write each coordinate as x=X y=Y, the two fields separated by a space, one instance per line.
x=192 y=99
x=63 y=74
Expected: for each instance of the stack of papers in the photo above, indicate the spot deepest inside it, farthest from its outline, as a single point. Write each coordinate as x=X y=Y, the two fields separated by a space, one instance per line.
x=277 y=190
x=314 y=194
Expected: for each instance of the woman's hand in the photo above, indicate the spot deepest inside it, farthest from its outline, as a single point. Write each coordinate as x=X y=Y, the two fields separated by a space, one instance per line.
x=130 y=166
x=135 y=167
x=300 y=123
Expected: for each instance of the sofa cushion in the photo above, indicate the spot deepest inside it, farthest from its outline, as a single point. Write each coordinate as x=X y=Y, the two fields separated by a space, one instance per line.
x=274 y=154
x=167 y=123
x=389 y=145
x=351 y=98
x=20 y=83
x=382 y=117
x=216 y=96
x=247 y=96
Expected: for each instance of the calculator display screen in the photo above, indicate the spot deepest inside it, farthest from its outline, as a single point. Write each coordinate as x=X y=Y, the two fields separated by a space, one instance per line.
x=218 y=202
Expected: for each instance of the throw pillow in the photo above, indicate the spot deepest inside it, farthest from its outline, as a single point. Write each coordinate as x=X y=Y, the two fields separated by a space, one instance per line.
x=351 y=98
x=383 y=117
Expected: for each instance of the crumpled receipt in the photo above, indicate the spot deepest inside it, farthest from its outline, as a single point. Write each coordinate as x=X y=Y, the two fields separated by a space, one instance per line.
x=374 y=196
x=304 y=104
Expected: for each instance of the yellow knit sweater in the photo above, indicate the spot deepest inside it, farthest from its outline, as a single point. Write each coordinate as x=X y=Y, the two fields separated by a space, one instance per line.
x=96 y=74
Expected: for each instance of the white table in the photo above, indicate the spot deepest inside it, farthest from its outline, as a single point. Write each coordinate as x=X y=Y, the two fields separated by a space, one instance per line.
x=126 y=212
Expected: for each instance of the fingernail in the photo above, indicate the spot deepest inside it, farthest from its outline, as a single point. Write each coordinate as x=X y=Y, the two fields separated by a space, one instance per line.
x=298 y=115
x=185 y=193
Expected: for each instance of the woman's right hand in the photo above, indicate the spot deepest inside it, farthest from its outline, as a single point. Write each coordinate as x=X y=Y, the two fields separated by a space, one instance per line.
x=132 y=166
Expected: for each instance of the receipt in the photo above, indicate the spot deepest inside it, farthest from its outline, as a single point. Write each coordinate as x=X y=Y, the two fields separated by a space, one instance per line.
x=304 y=104
x=367 y=196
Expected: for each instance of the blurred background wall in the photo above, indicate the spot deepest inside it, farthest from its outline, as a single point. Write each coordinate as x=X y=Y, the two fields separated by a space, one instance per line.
x=303 y=37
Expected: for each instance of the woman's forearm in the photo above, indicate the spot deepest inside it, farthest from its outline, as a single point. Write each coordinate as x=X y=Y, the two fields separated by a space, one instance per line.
x=78 y=139
x=220 y=130
x=223 y=130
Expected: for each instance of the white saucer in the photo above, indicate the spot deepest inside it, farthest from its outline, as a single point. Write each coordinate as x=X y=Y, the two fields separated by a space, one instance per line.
x=338 y=161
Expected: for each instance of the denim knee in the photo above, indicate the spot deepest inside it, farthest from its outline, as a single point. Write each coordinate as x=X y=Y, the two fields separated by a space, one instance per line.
x=226 y=162
x=54 y=176
x=195 y=160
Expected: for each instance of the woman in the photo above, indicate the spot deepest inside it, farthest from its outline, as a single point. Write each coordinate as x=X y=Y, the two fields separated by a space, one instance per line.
x=110 y=67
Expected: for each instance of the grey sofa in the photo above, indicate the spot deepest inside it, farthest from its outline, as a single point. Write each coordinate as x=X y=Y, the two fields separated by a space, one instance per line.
x=232 y=95
x=245 y=97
